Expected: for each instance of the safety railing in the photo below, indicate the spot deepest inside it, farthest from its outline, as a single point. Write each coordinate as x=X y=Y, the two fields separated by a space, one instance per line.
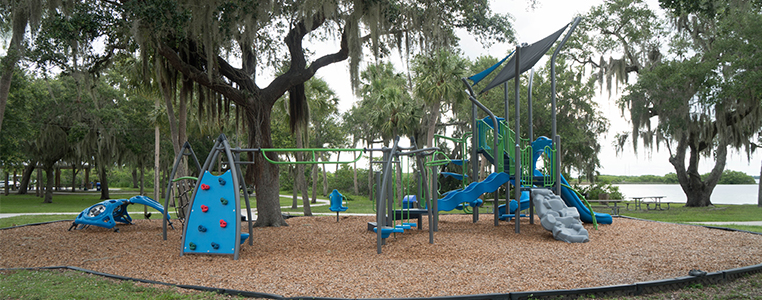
x=548 y=156
x=313 y=159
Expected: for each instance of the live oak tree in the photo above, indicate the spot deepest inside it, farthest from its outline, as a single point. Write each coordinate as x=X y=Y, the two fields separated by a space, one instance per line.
x=221 y=45
x=697 y=86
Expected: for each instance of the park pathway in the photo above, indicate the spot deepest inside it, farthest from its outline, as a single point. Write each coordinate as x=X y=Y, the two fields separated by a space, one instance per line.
x=320 y=202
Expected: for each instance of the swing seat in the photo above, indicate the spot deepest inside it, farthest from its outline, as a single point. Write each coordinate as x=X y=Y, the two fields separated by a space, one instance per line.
x=410 y=224
x=337 y=200
x=386 y=231
x=403 y=226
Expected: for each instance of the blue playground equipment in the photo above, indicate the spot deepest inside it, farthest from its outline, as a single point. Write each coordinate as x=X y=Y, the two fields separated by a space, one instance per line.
x=524 y=201
x=514 y=159
x=409 y=201
x=388 y=219
x=106 y=213
x=213 y=219
x=472 y=192
x=337 y=203
x=212 y=209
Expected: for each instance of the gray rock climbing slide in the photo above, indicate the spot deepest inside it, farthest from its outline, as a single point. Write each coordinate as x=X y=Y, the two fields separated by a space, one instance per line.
x=556 y=217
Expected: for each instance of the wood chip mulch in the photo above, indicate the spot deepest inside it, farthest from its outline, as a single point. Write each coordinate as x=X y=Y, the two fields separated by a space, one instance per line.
x=318 y=257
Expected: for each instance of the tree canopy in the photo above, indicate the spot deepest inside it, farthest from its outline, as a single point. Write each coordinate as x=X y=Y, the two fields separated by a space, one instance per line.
x=697 y=88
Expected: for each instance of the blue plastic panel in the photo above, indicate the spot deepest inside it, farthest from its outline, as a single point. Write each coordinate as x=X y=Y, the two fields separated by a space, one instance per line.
x=210 y=206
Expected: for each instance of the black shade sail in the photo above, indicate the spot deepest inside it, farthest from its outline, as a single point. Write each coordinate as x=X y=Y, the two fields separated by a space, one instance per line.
x=529 y=56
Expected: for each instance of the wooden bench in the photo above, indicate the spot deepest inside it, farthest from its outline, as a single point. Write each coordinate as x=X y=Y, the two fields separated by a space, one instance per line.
x=606 y=204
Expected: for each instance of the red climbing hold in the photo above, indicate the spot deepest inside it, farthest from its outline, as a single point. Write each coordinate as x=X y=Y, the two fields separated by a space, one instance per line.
x=204 y=208
x=205 y=187
x=223 y=224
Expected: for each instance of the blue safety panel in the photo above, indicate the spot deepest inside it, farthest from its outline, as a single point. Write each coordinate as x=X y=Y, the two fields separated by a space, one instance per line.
x=213 y=203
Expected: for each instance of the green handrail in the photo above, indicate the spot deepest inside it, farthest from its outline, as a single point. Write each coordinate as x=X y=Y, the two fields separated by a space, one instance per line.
x=184 y=177
x=313 y=151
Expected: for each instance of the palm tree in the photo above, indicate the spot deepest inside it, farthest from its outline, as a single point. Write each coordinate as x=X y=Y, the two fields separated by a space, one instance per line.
x=390 y=108
x=437 y=83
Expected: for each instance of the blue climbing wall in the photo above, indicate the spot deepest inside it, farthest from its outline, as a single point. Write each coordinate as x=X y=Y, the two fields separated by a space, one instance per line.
x=213 y=204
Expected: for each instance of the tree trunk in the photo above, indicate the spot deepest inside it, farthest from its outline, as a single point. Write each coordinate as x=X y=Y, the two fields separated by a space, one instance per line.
x=305 y=197
x=142 y=180
x=5 y=87
x=103 y=174
x=266 y=181
x=8 y=64
x=399 y=181
x=38 y=188
x=432 y=126
x=697 y=191
x=167 y=93
x=354 y=173
x=15 y=179
x=759 y=189
x=156 y=156
x=51 y=177
x=142 y=190
x=370 y=175
x=87 y=178
x=74 y=172
x=7 y=189
x=182 y=119
x=314 y=183
x=301 y=181
x=58 y=179
x=294 y=189
x=325 y=183
x=134 y=178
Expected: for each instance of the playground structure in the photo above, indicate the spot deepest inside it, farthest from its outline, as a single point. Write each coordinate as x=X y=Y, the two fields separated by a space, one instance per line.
x=518 y=157
x=106 y=213
x=212 y=223
x=514 y=161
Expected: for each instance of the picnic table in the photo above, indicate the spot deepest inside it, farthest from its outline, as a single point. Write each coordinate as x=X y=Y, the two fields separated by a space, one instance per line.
x=648 y=200
x=606 y=204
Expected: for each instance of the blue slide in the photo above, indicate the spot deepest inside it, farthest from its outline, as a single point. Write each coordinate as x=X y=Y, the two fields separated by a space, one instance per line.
x=472 y=192
x=572 y=200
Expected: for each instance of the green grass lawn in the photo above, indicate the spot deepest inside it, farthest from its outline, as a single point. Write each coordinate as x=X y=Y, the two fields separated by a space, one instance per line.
x=62 y=202
x=679 y=213
x=67 y=284
x=21 y=220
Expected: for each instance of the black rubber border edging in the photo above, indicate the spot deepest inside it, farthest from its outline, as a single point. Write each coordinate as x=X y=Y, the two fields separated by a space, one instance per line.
x=636 y=289
x=184 y=286
x=35 y=224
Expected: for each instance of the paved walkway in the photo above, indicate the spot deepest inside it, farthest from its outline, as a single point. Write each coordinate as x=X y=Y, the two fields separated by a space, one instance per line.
x=320 y=202
x=747 y=223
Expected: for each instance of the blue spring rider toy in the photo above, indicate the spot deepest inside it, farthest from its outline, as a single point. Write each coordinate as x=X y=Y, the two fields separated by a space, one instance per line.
x=105 y=214
x=337 y=203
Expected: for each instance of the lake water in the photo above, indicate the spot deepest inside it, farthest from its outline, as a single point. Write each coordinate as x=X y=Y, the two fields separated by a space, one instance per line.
x=723 y=193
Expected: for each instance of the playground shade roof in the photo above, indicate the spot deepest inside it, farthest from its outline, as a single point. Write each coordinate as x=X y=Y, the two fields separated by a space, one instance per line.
x=479 y=76
x=528 y=55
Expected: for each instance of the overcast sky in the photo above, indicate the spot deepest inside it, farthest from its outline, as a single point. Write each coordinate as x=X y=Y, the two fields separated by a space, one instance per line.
x=532 y=25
